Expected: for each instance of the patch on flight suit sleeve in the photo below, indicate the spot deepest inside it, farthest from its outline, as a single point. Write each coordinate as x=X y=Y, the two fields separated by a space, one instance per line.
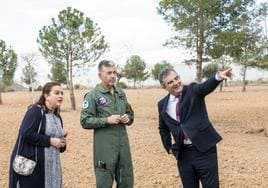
x=85 y=104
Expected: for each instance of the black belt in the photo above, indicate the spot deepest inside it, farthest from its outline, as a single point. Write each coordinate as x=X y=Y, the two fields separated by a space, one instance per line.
x=188 y=145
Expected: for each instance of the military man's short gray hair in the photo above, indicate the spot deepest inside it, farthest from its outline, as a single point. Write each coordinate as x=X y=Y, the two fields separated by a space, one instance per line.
x=163 y=74
x=105 y=63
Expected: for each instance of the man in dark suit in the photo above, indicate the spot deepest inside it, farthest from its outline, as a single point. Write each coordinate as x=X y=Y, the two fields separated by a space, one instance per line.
x=183 y=114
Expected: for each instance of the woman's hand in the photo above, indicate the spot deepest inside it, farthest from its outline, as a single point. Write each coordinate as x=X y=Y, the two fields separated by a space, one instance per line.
x=58 y=142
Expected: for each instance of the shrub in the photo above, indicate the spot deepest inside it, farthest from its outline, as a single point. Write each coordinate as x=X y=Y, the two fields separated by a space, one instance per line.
x=122 y=85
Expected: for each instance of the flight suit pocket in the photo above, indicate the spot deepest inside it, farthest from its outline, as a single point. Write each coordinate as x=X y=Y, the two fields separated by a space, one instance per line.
x=104 y=177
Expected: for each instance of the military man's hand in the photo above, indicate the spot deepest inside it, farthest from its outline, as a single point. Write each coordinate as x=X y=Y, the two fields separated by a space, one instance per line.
x=124 y=119
x=114 y=119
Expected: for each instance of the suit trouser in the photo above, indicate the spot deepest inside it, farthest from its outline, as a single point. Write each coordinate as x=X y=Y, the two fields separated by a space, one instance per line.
x=194 y=165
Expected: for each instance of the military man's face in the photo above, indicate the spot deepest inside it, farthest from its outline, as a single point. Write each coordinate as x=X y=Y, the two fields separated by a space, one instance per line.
x=108 y=76
x=173 y=84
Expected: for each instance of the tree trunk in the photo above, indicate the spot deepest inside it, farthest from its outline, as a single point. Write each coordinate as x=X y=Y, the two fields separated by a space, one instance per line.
x=72 y=98
x=1 y=102
x=221 y=85
x=71 y=87
x=198 y=67
x=134 y=84
x=199 y=44
x=32 y=91
x=244 y=78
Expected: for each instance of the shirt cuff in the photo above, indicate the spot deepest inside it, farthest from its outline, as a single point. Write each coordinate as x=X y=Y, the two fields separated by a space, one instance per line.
x=217 y=77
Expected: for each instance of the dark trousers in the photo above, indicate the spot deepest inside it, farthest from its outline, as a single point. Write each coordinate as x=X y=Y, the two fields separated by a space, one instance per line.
x=194 y=165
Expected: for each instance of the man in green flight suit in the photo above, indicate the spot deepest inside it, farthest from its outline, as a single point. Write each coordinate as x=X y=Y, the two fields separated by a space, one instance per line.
x=106 y=110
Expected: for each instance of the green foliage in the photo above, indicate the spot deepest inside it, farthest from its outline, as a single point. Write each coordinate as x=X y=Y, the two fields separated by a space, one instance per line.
x=58 y=73
x=158 y=67
x=122 y=85
x=76 y=86
x=8 y=65
x=264 y=62
x=263 y=12
x=39 y=88
x=135 y=69
x=210 y=70
x=73 y=40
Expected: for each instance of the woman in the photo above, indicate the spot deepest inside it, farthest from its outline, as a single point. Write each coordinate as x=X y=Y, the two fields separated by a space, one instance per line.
x=50 y=141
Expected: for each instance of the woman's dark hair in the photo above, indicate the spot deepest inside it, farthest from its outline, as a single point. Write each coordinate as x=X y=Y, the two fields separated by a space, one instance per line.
x=45 y=91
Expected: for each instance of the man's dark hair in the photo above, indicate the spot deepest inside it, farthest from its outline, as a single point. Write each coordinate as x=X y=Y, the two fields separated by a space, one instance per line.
x=105 y=63
x=163 y=74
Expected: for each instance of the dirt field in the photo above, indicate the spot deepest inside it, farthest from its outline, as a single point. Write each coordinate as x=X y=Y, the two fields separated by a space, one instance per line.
x=241 y=119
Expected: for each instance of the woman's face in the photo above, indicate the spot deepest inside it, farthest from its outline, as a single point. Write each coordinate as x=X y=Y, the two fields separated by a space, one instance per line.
x=55 y=97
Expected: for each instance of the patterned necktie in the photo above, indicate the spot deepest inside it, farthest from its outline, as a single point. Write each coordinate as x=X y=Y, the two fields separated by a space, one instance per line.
x=178 y=108
x=178 y=115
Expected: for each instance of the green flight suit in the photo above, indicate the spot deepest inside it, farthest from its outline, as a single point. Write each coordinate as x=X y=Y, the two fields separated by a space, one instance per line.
x=112 y=157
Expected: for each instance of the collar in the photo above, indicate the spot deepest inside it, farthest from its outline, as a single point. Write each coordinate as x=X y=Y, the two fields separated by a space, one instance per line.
x=104 y=90
x=172 y=98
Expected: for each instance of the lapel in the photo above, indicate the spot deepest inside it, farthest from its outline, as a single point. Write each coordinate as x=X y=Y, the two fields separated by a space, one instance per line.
x=186 y=104
x=182 y=102
x=164 y=105
x=164 y=113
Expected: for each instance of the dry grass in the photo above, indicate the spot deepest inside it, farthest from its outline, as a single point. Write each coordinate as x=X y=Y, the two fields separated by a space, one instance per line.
x=239 y=117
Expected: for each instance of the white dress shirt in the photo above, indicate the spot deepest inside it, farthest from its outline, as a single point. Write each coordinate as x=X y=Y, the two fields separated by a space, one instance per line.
x=171 y=107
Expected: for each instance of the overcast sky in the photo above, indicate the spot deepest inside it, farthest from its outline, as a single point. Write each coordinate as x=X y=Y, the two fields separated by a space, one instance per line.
x=129 y=26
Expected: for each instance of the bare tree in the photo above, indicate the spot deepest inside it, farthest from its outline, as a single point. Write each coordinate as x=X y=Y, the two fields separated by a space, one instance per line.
x=29 y=73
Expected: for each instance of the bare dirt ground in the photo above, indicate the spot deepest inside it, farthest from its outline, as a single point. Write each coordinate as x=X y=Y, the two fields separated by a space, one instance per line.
x=241 y=119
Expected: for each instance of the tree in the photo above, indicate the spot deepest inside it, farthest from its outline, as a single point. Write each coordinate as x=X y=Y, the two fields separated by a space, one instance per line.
x=210 y=70
x=158 y=67
x=73 y=40
x=29 y=73
x=245 y=44
x=198 y=23
x=8 y=65
x=134 y=69
x=264 y=62
x=58 y=72
x=263 y=12
x=120 y=73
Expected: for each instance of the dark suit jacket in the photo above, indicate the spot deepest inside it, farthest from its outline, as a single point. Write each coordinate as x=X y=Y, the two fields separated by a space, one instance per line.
x=193 y=116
